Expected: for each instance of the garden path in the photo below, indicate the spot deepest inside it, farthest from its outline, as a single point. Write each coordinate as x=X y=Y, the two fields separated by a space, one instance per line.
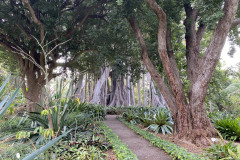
x=139 y=146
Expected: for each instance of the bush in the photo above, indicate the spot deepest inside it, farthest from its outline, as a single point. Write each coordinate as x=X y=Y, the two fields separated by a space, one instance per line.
x=228 y=127
x=84 y=145
x=162 y=121
x=155 y=119
x=222 y=150
x=96 y=112
x=13 y=125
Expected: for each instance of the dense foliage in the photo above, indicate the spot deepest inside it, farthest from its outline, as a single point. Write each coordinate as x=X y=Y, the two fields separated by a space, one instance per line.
x=228 y=126
x=155 y=119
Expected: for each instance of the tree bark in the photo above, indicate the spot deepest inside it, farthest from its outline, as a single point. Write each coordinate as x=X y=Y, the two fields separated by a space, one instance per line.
x=79 y=87
x=155 y=101
x=119 y=92
x=32 y=91
x=139 y=92
x=133 y=102
x=86 y=84
x=99 y=86
x=144 y=92
x=190 y=117
x=128 y=90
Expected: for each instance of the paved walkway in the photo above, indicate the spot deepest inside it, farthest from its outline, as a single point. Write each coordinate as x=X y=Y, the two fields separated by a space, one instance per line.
x=141 y=147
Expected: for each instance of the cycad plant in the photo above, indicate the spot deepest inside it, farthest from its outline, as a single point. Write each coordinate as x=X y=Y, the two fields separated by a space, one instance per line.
x=146 y=119
x=229 y=127
x=162 y=121
x=130 y=115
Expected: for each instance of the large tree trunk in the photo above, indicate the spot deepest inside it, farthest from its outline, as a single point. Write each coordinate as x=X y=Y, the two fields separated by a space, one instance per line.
x=32 y=91
x=190 y=117
x=97 y=96
x=119 y=92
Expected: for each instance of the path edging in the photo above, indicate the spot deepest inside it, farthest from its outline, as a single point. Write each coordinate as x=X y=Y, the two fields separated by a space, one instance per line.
x=121 y=149
x=173 y=150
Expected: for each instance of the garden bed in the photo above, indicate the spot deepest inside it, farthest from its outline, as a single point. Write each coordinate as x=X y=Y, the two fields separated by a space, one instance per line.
x=172 y=149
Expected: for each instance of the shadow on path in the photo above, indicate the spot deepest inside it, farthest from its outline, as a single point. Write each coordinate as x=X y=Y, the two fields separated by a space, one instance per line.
x=139 y=146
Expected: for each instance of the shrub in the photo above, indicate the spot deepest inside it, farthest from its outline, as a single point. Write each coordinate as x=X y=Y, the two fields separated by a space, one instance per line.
x=228 y=127
x=222 y=150
x=130 y=115
x=96 y=112
x=13 y=125
x=155 y=119
x=162 y=121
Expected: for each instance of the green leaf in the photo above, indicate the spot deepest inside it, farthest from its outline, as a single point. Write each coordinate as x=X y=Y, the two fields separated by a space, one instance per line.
x=5 y=83
x=45 y=147
x=4 y=109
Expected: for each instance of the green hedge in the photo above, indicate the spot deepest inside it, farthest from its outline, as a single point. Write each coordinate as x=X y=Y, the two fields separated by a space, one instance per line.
x=173 y=150
x=120 y=148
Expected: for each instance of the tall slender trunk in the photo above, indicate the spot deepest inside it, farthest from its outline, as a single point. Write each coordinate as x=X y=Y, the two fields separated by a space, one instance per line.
x=128 y=90
x=86 y=84
x=144 y=92
x=133 y=102
x=89 y=88
x=79 y=86
x=139 y=92
x=155 y=101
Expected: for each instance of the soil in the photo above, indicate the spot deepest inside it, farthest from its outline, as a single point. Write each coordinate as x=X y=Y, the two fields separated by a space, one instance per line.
x=139 y=146
x=111 y=155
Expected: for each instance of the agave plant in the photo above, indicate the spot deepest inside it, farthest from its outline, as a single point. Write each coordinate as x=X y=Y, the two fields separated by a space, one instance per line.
x=60 y=109
x=6 y=102
x=162 y=121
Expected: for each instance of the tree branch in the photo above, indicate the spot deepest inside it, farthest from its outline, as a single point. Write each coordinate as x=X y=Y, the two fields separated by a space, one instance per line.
x=192 y=45
x=152 y=70
x=75 y=58
x=24 y=32
x=213 y=52
x=235 y=22
x=85 y=18
x=175 y=83
x=170 y=52
x=35 y=19
x=200 y=33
